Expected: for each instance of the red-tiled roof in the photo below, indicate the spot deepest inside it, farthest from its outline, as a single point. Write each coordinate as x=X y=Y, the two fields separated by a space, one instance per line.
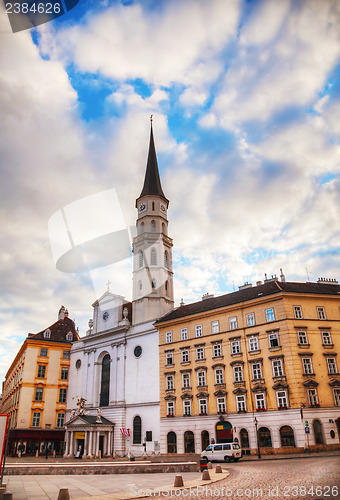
x=266 y=289
x=58 y=330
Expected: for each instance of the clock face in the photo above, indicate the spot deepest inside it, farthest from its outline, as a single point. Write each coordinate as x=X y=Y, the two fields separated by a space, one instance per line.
x=105 y=315
x=162 y=207
x=142 y=207
x=137 y=351
x=78 y=364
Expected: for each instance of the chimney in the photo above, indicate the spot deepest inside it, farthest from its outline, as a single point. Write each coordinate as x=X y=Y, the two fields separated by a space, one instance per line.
x=207 y=296
x=61 y=314
x=282 y=276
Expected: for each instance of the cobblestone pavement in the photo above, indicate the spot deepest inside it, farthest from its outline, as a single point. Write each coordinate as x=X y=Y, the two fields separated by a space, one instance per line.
x=317 y=477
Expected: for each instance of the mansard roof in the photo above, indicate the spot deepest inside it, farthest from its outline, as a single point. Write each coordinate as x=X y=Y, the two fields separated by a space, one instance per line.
x=269 y=288
x=58 y=332
x=152 y=182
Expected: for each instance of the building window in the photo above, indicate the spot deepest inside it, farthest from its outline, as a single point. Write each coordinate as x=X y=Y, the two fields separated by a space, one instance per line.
x=169 y=357
x=185 y=356
x=105 y=381
x=165 y=258
x=198 y=331
x=270 y=316
x=219 y=377
x=184 y=334
x=170 y=408
x=137 y=430
x=277 y=368
x=167 y=287
x=168 y=337
x=233 y=323
x=69 y=336
x=153 y=260
x=336 y=394
x=142 y=227
x=47 y=333
x=201 y=378
x=250 y=319
x=64 y=373
x=170 y=382
x=199 y=353
x=302 y=337
x=187 y=407
x=273 y=339
x=153 y=226
x=256 y=370
x=260 y=401
x=62 y=395
x=321 y=312
x=41 y=371
x=153 y=284
x=307 y=366
x=43 y=352
x=238 y=374
x=331 y=365
x=215 y=327
x=253 y=344
x=186 y=380
x=39 y=391
x=326 y=338
x=297 y=312
x=282 y=400
x=203 y=406
x=60 y=419
x=217 y=350
x=140 y=259
x=235 y=347
x=221 y=405
x=241 y=403
x=312 y=397
x=66 y=354
x=36 y=419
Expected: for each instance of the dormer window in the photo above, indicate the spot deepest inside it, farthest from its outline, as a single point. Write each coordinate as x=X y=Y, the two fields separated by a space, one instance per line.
x=47 y=333
x=69 y=336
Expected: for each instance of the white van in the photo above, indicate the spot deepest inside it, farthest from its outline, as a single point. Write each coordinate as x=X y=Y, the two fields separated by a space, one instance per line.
x=227 y=452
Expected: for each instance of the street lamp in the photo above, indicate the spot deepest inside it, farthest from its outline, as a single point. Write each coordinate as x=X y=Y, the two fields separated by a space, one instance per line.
x=257 y=440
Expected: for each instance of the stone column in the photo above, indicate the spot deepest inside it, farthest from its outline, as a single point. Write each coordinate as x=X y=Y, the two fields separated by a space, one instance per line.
x=90 y=454
x=85 y=443
x=71 y=444
x=97 y=445
x=109 y=451
x=67 y=441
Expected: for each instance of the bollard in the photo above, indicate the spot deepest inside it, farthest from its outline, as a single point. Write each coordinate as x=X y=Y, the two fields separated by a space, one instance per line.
x=7 y=496
x=205 y=475
x=178 y=481
x=209 y=466
x=64 y=494
x=218 y=469
x=203 y=464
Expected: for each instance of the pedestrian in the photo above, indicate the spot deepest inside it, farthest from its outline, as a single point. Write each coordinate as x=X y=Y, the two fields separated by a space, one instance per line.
x=46 y=452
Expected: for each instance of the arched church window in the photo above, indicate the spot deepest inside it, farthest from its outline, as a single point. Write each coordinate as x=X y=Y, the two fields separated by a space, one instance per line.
x=105 y=381
x=153 y=226
x=153 y=257
x=153 y=205
x=142 y=227
x=153 y=284
x=166 y=287
x=166 y=259
x=140 y=259
x=163 y=228
x=137 y=430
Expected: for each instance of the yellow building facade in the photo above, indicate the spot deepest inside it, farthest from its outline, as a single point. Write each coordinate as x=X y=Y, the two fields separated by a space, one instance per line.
x=35 y=389
x=259 y=365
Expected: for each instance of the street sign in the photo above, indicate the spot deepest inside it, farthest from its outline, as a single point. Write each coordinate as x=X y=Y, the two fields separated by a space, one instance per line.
x=307 y=430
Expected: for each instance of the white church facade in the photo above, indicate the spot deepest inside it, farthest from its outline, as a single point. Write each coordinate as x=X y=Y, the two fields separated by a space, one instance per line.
x=113 y=398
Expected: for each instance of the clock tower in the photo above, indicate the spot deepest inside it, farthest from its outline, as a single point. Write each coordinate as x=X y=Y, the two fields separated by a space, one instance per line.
x=152 y=248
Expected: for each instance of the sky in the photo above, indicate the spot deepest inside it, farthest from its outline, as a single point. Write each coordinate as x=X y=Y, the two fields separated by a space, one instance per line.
x=245 y=98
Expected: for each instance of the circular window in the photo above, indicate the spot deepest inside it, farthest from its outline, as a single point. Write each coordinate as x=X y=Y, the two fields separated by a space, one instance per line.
x=138 y=351
x=78 y=364
x=332 y=433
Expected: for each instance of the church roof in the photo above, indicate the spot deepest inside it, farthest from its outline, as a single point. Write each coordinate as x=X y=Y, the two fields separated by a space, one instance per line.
x=152 y=182
x=243 y=295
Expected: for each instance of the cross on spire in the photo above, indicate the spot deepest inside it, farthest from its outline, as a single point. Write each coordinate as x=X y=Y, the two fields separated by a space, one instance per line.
x=108 y=285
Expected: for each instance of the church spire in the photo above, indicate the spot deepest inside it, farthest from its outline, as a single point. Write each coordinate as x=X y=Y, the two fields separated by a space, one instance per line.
x=152 y=182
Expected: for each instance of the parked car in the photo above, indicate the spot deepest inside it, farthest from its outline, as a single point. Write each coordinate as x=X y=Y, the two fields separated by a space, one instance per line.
x=227 y=452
